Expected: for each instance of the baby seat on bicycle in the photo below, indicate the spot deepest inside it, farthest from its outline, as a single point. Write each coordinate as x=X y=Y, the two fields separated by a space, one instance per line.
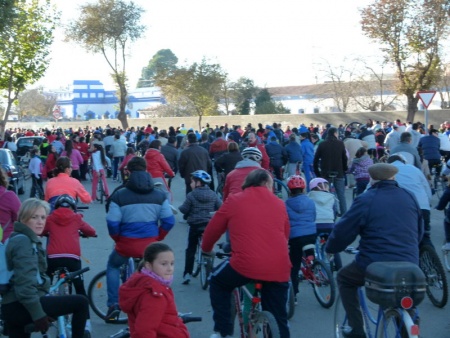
x=387 y=283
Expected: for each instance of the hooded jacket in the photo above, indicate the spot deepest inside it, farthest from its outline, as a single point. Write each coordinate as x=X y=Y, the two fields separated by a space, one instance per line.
x=198 y=205
x=134 y=213
x=151 y=308
x=62 y=227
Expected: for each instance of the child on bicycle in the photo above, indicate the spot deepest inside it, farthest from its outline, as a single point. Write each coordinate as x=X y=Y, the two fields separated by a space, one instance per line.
x=197 y=208
x=99 y=164
x=63 y=227
x=327 y=207
x=302 y=219
x=148 y=299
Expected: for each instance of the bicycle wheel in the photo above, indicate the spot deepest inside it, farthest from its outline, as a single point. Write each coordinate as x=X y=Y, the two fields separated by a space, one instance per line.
x=205 y=270
x=446 y=255
x=198 y=260
x=323 y=284
x=392 y=325
x=437 y=288
x=290 y=304
x=98 y=296
x=264 y=325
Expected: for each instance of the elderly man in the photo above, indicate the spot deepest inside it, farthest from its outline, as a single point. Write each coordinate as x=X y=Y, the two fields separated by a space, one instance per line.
x=375 y=217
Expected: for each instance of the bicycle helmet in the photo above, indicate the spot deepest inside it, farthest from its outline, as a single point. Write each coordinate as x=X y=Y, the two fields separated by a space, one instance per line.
x=202 y=176
x=66 y=201
x=315 y=182
x=252 y=153
x=296 y=182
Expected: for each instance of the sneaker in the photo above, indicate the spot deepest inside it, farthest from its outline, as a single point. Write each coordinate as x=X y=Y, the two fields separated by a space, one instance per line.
x=187 y=279
x=112 y=314
x=446 y=247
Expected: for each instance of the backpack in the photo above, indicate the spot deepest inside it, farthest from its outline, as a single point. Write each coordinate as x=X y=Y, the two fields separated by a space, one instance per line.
x=5 y=273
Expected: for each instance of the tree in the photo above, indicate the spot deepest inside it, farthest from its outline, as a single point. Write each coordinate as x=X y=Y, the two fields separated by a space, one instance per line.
x=164 y=60
x=196 y=87
x=24 y=49
x=107 y=27
x=411 y=32
x=34 y=103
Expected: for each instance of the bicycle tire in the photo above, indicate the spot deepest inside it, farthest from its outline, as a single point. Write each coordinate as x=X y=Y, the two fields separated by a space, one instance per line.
x=431 y=265
x=446 y=256
x=392 y=325
x=198 y=260
x=290 y=304
x=283 y=193
x=264 y=325
x=323 y=284
x=205 y=270
x=98 y=296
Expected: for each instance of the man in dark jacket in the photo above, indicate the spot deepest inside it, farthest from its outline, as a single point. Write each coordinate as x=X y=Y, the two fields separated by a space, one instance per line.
x=133 y=216
x=389 y=221
x=331 y=157
x=193 y=158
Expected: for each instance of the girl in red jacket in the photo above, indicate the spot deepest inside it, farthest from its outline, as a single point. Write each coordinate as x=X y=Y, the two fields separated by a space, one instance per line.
x=148 y=299
x=63 y=227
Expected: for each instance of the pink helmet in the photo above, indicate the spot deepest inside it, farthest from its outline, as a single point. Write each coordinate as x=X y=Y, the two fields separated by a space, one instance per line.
x=316 y=181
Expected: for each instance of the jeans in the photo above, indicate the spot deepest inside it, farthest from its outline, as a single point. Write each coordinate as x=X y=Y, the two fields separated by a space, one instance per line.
x=339 y=185
x=115 y=261
x=116 y=162
x=225 y=279
x=349 y=278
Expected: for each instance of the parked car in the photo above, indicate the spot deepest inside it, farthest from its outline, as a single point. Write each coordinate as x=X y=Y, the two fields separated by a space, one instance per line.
x=24 y=144
x=13 y=170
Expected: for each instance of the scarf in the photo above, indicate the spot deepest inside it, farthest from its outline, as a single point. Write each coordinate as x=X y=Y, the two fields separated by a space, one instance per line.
x=153 y=275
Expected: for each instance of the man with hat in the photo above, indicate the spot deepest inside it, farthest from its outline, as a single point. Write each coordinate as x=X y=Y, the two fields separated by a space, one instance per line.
x=389 y=222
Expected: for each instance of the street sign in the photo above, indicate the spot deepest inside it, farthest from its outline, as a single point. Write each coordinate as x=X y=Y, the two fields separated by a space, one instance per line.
x=426 y=96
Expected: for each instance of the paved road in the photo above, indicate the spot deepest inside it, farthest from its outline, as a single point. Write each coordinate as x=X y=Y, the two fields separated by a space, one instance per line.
x=310 y=319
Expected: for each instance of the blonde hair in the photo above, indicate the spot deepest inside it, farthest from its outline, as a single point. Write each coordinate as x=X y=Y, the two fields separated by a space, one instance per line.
x=29 y=207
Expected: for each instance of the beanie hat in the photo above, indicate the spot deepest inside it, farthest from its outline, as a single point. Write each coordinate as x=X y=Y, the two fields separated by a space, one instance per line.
x=382 y=171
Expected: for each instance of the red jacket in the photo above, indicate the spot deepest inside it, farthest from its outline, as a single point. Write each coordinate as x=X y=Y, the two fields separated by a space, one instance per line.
x=151 y=308
x=258 y=225
x=157 y=164
x=62 y=227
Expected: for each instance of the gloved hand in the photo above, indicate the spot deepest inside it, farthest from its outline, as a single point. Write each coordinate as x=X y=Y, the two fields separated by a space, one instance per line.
x=42 y=324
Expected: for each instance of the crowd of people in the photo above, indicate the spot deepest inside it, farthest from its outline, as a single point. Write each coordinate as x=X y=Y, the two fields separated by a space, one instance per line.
x=139 y=212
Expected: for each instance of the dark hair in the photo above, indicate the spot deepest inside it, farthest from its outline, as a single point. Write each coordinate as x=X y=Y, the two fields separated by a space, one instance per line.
x=192 y=138
x=68 y=147
x=152 y=251
x=62 y=164
x=155 y=144
x=137 y=164
x=405 y=137
x=256 y=178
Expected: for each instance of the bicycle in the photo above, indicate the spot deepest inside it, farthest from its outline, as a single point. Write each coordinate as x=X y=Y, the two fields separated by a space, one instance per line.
x=257 y=323
x=186 y=317
x=60 y=288
x=204 y=265
x=318 y=274
x=436 y=278
x=98 y=295
x=388 y=301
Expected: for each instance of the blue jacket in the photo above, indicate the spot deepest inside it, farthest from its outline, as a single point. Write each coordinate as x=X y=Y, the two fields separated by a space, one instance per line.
x=389 y=221
x=430 y=147
x=276 y=153
x=294 y=152
x=308 y=151
x=302 y=216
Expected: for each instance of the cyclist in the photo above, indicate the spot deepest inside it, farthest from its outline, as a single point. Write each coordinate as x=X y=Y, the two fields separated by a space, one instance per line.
x=378 y=216
x=133 y=215
x=199 y=203
x=99 y=164
x=259 y=240
x=63 y=248
x=26 y=301
x=302 y=216
x=148 y=299
x=62 y=183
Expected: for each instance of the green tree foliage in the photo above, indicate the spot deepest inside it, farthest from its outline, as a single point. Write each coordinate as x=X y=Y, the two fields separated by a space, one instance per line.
x=107 y=27
x=244 y=92
x=164 y=60
x=24 y=49
x=411 y=33
x=196 y=87
x=34 y=102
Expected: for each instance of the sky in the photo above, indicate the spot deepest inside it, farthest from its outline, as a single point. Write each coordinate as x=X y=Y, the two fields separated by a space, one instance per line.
x=274 y=43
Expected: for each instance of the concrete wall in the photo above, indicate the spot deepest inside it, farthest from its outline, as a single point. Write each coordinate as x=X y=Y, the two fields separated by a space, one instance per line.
x=435 y=117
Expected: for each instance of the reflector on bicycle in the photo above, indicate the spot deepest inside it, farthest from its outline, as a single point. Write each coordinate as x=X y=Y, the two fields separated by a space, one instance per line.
x=406 y=303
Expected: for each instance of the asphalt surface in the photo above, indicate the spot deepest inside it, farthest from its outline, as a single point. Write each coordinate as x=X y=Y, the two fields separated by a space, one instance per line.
x=310 y=319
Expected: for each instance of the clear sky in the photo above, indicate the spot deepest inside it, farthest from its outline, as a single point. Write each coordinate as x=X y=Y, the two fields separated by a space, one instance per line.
x=274 y=43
